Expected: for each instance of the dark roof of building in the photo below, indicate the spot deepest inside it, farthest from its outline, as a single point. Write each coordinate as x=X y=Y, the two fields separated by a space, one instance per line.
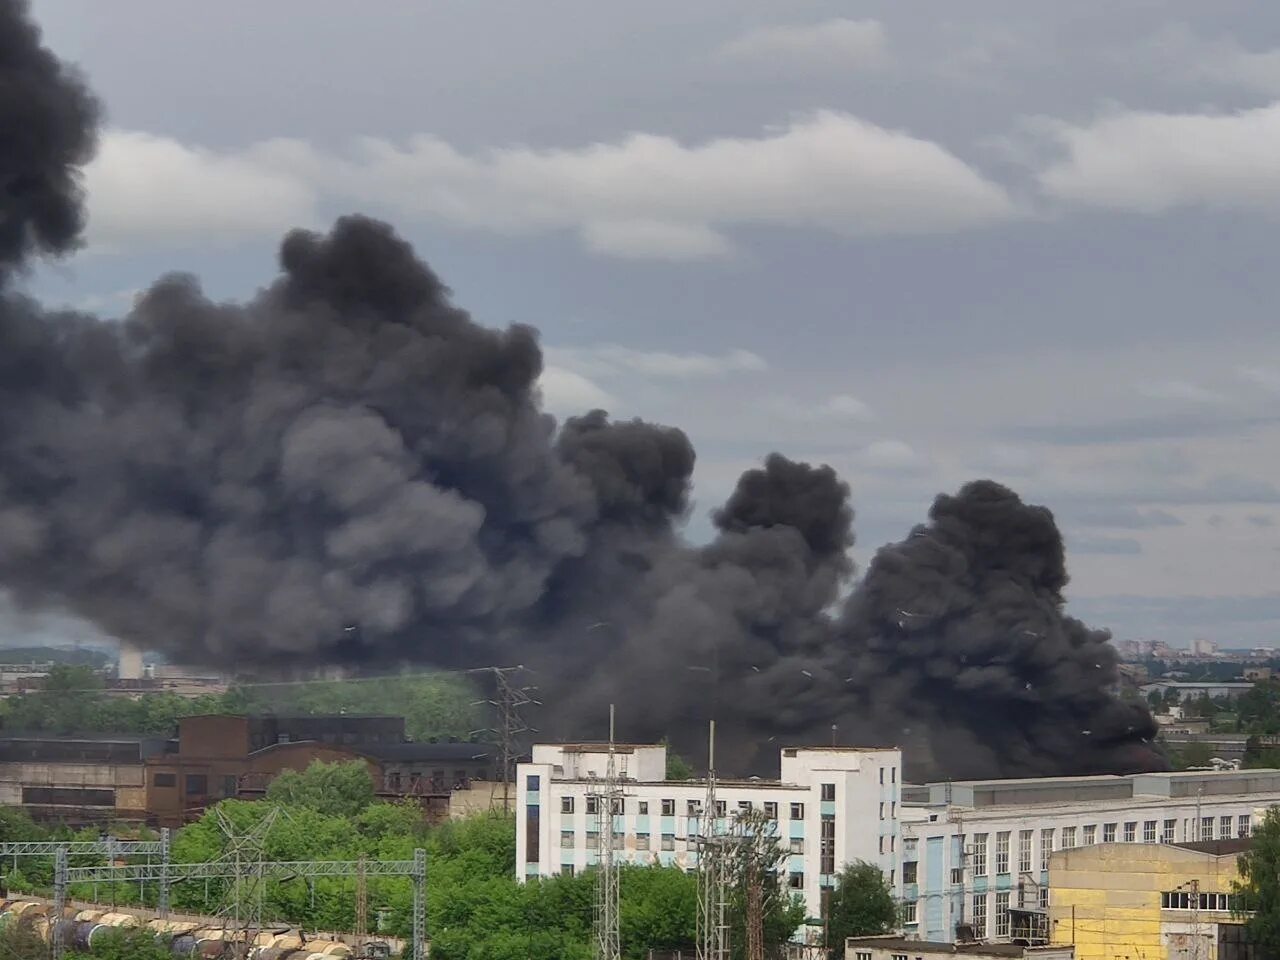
x=427 y=751
x=1218 y=848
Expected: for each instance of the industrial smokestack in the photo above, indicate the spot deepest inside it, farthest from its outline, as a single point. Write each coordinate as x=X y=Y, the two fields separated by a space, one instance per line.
x=129 y=663
x=349 y=469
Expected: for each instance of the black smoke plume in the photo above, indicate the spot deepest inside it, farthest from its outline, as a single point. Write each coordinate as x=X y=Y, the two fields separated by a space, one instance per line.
x=348 y=468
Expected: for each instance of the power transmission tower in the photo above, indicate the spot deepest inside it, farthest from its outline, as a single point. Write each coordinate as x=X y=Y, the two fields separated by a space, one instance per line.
x=608 y=805
x=713 y=870
x=241 y=907
x=509 y=699
x=362 y=906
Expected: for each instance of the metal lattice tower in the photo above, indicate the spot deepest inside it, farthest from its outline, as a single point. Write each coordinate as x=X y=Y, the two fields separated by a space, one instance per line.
x=362 y=906
x=241 y=907
x=713 y=871
x=509 y=699
x=608 y=804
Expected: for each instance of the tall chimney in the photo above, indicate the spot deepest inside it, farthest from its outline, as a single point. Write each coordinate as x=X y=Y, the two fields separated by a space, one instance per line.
x=129 y=666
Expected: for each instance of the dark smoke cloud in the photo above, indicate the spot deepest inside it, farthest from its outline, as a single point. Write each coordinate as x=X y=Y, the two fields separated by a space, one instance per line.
x=348 y=468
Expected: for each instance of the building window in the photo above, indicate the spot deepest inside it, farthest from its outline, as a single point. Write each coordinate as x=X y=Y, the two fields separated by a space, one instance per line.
x=893 y=809
x=979 y=861
x=909 y=871
x=1245 y=829
x=642 y=841
x=566 y=839
x=827 y=851
x=1206 y=828
x=1044 y=897
x=893 y=774
x=668 y=808
x=957 y=875
x=593 y=840
x=643 y=808
x=909 y=912
x=1130 y=831
x=230 y=785
x=566 y=869
x=1024 y=851
x=1068 y=837
x=829 y=790
x=532 y=831
x=1182 y=900
x=1090 y=835
x=721 y=807
x=882 y=844
x=797 y=845
x=744 y=806
x=1170 y=828
x=881 y=809
x=1108 y=833
x=619 y=806
x=533 y=782
x=862 y=955
x=197 y=784
x=593 y=805
x=882 y=776
x=668 y=841
x=796 y=880
x=771 y=810
x=1148 y=831
x=1002 y=852
x=1046 y=847
x=693 y=808
x=566 y=804
x=980 y=915
x=797 y=811
x=164 y=780
x=1224 y=827
x=1002 y=915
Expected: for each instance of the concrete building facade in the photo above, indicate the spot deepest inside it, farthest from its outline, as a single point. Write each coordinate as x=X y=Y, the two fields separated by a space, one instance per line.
x=1158 y=901
x=832 y=805
x=976 y=855
x=899 y=948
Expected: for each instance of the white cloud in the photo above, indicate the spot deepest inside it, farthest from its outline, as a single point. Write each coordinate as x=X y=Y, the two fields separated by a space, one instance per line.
x=566 y=393
x=1177 y=52
x=838 y=407
x=151 y=189
x=1266 y=378
x=611 y=359
x=894 y=455
x=1180 y=390
x=839 y=42
x=1154 y=162
x=644 y=196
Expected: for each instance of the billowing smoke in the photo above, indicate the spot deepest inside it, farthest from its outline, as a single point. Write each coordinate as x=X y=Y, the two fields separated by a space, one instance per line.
x=347 y=467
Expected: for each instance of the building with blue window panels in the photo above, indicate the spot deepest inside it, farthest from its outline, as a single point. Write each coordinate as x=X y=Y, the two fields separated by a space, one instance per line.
x=975 y=854
x=833 y=805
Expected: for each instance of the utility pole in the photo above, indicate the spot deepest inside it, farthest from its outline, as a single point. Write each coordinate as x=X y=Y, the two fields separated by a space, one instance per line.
x=508 y=699
x=608 y=801
x=1195 y=920
x=712 y=932
x=362 y=907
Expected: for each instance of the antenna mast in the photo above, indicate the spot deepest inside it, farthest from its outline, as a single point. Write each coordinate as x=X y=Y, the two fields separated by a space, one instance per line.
x=608 y=805
x=713 y=930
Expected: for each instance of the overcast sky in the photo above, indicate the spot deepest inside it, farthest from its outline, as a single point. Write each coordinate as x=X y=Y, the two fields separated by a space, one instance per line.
x=923 y=242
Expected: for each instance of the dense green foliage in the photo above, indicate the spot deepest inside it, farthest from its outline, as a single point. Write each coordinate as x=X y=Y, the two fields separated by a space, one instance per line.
x=1258 y=889
x=440 y=705
x=20 y=941
x=861 y=906
x=335 y=789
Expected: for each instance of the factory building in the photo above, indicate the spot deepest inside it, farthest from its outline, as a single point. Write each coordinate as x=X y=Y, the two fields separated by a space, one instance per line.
x=976 y=854
x=832 y=805
x=1160 y=901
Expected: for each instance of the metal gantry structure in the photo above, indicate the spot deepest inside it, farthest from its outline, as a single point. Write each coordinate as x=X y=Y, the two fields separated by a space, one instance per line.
x=713 y=870
x=281 y=870
x=608 y=805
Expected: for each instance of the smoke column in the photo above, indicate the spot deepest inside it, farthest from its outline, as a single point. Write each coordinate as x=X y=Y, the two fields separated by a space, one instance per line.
x=240 y=483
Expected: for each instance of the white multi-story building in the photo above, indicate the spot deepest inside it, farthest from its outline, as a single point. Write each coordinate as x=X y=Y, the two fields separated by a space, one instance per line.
x=833 y=805
x=976 y=853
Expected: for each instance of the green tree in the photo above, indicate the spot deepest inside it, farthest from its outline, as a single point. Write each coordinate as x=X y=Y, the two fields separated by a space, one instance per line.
x=678 y=768
x=1193 y=754
x=129 y=943
x=861 y=905
x=1258 y=889
x=337 y=789
x=19 y=941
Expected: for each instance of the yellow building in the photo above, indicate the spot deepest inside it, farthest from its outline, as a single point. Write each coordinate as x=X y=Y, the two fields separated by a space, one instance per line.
x=1144 y=901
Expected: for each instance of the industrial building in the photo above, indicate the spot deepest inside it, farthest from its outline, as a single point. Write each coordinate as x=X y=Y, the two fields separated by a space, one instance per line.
x=832 y=805
x=168 y=781
x=1159 y=901
x=976 y=854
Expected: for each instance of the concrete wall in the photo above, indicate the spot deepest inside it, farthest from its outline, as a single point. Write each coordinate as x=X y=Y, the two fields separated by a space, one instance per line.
x=1107 y=900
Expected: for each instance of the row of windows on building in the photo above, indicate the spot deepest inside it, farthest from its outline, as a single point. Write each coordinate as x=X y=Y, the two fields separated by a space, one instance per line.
x=1152 y=831
x=1185 y=900
x=693 y=808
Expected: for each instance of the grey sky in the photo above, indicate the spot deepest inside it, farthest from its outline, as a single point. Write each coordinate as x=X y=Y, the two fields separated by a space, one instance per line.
x=920 y=241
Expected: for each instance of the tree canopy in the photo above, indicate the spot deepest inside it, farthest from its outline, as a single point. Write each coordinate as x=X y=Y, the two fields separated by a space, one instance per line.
x=861 y=905
x=1258 y=889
